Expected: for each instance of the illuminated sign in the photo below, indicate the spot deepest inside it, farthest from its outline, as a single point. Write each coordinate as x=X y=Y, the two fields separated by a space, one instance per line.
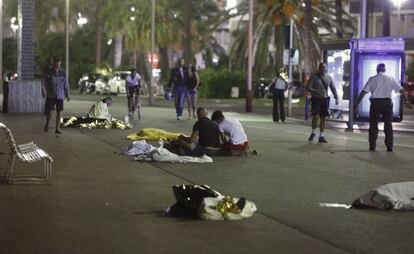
x=380 y=45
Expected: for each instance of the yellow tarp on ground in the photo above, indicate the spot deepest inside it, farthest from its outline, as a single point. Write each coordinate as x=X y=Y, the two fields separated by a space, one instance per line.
x=153 y=134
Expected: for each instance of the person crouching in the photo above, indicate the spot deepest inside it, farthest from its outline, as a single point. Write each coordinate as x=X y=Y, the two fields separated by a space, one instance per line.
x=204 y=139
x=233 y=135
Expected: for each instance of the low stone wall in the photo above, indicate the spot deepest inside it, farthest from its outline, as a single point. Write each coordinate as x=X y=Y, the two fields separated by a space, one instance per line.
x=25 y=96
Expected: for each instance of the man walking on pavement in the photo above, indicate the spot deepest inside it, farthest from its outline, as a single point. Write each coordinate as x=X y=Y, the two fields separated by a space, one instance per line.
x=381 y=86
x=318 y=88
x=178 y=83
x=55 y=90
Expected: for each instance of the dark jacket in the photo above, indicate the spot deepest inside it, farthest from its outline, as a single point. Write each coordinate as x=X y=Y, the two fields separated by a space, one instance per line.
x=176 y=79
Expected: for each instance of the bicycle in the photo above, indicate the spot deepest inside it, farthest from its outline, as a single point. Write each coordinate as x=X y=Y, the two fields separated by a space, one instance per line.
x=134 y=103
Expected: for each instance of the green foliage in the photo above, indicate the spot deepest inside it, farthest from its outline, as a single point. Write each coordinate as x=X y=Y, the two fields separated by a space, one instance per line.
x=81 y=52
x=50 y=45
x=409 y=71
x=10 y=54
x=217 y=83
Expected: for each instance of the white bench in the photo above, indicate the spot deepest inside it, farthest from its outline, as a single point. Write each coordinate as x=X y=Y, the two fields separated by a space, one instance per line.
x=27 y=153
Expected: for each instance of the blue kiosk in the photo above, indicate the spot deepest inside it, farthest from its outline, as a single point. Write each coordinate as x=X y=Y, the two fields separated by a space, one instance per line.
x=351 y=63
x=366 y=54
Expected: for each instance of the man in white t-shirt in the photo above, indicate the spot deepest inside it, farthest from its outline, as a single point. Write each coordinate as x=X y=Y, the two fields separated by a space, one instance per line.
x=233 y=136
x=381 y=86
x=133 y=90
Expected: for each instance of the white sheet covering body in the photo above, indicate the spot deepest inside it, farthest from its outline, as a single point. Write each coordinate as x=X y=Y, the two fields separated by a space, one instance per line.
x=146 y=152
x=139 y=147
x=392 y=196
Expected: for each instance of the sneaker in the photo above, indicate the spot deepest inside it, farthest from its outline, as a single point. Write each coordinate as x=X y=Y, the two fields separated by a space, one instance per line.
x=179 y=118
x=311 y=137
x=372 y=148
x=389 y=149
x=322 y=140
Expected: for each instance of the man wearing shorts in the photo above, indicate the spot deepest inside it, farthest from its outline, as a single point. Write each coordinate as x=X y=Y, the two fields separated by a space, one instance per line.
x=318 y=87
x=55 y=90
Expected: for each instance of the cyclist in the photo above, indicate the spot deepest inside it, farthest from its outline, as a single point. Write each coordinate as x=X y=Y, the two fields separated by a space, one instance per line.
x=133 y=89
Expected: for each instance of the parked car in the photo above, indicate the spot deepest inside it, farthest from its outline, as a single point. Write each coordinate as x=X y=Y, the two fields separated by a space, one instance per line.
x=86 y=83
x=100 y=84
x=116 y=84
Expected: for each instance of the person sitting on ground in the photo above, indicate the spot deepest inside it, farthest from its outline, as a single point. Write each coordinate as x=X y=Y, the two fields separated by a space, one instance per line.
x=100 y=110
x=233 y=135
x=205 y=138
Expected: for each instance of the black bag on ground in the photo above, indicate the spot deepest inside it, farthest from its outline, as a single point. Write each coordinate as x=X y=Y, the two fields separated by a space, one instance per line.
x=188 y=199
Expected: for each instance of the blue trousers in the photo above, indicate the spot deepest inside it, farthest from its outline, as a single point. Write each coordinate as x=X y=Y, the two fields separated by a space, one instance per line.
x=179 y=97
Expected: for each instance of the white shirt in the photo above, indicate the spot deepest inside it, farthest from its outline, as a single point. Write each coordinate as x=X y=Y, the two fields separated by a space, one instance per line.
x=280 y=84
x=133 y=81
x=234 y=130
x=381 y=86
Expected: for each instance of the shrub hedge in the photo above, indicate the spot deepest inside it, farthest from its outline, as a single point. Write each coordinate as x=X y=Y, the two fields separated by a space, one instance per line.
x=217 y=83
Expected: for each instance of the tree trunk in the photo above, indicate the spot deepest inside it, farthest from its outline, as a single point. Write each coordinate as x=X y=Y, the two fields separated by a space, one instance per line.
x=339 y=21
x=386 y=19
x=307 y=37
x=118 y=50
x=280 y=45
x=98 y=53
x=164 y=63
x=188 y=54
x=134 y=59
x=145 y=68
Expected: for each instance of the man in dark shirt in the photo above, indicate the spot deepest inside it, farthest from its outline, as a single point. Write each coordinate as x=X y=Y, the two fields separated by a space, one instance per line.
x=205 y=138
x=177 y=83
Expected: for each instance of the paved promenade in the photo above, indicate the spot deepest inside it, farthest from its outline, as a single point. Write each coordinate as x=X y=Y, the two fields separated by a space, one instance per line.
x=101 y=201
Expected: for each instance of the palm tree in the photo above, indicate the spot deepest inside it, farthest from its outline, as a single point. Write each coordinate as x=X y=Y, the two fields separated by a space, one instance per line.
x=270 y=20
x=196 y=21
x=116 y=22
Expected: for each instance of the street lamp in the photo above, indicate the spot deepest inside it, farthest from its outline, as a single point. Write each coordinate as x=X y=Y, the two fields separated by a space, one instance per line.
x=150 y=91
x=13 y=24
x=398 y=4
x=249 y=93
x=81 y=20
x=1 y=43
x=67 y=42
x=231 y=7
